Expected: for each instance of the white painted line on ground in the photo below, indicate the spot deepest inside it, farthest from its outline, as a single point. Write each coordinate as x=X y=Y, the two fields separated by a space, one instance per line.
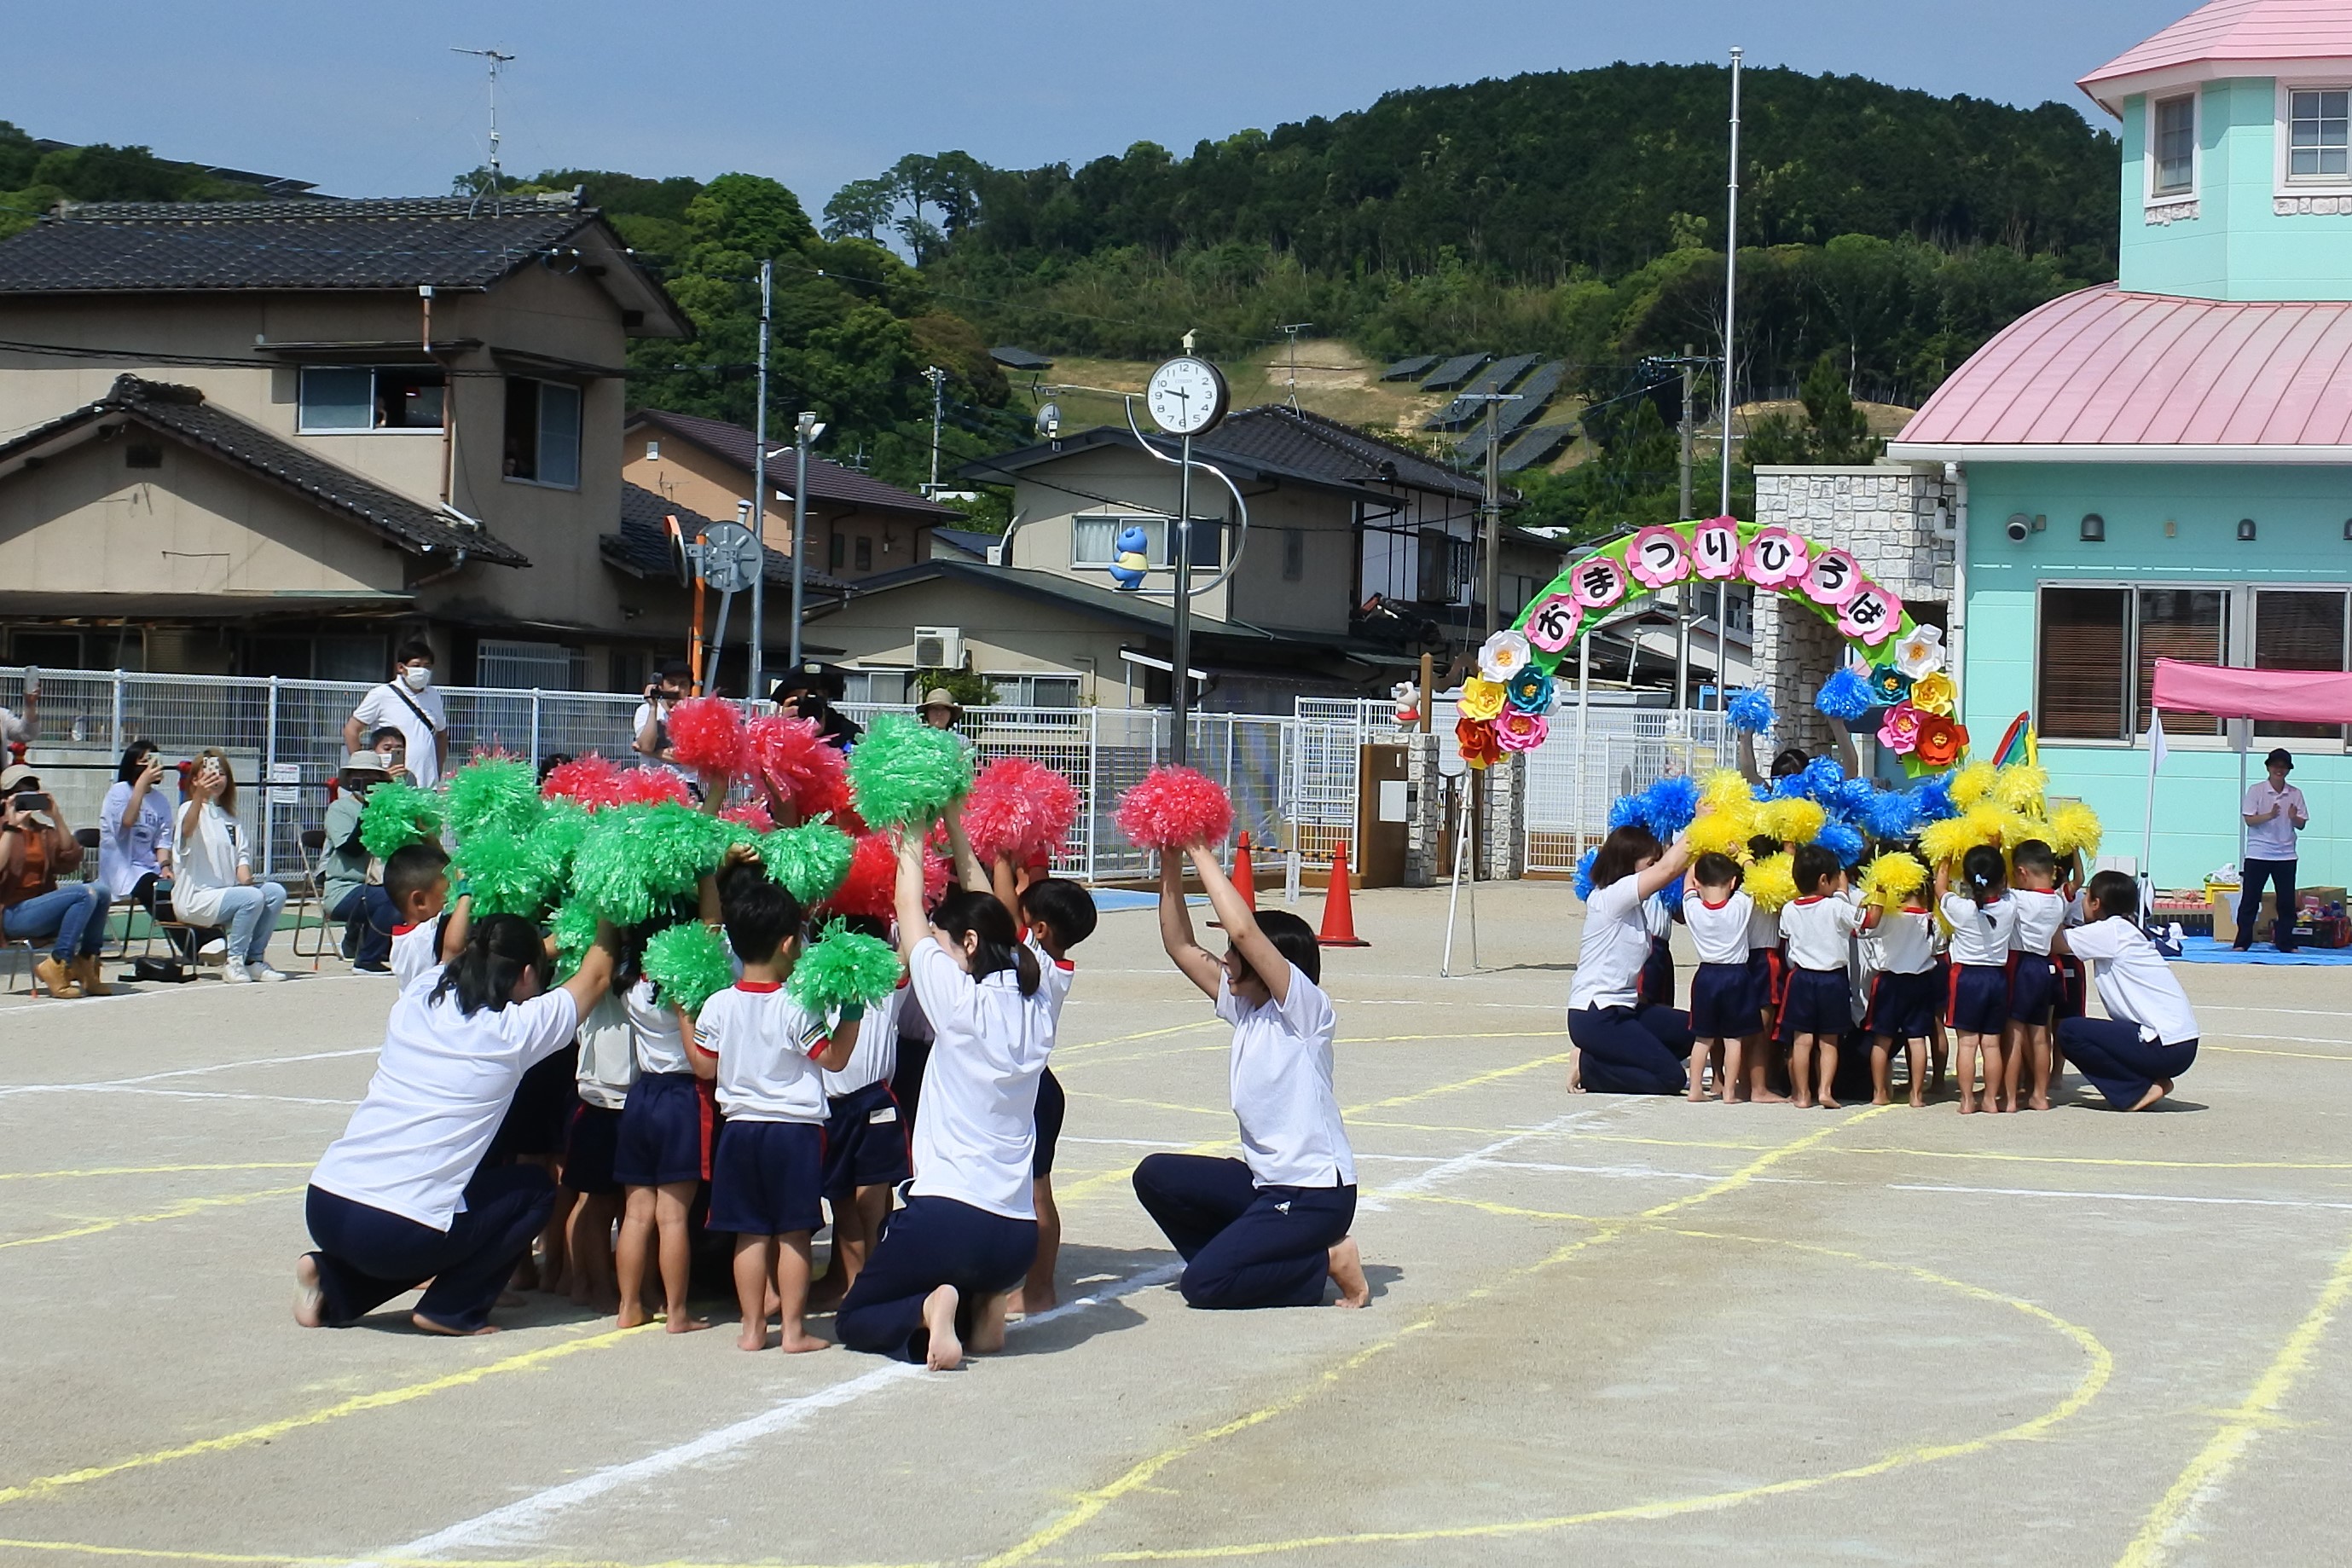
x=2118 y=1196
x=1446 y=1170
x=189 y=1072
x=523 y=1519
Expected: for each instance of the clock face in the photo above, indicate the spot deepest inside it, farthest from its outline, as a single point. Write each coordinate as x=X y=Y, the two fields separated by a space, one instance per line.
x=1186 y=396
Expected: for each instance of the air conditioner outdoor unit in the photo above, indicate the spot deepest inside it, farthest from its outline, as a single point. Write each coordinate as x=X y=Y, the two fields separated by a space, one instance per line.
x=938 y=647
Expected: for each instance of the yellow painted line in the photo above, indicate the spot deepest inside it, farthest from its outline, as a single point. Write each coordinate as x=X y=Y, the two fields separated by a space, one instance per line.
x=179 y=1210
x=2168 y=1521
x=42 y=1486
x=1064 y=1052
x=1091 y=1505
x=1471 y=1082
x=1506 y=1210
x=153 y=1170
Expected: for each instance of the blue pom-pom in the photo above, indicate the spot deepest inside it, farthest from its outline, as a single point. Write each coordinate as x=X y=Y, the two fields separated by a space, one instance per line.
x=1844 y=841
x=1751 y=712
x=1671 y=896
x=1845 y=695
x=1762 y=791
x=1624 y=812
x=1892 y=815
x=1935 y=800
x=1823 y=779
x=1853 y=800
x=1669 y=806
x=1584 y=873
x=1789 y=787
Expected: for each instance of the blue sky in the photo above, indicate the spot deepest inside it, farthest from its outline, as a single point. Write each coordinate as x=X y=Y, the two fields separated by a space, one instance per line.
x=369 y=101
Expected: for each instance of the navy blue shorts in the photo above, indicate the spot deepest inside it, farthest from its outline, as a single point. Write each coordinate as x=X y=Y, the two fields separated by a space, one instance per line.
x=1658 y=973
x=1766 y=970
x=1901 y=1007
x=1051 y=1105
x=2074 y=986
x=665 y=1133
x=1724 y=1003
x=539 y=1114
x=588 y=1151
x=2033 y=988
x=1979 y=998
x=1819 y=1001
x=768 y=1178
x=864 y=1142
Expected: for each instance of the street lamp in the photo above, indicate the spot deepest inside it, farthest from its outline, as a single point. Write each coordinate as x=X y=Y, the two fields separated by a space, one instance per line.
x=805 y=430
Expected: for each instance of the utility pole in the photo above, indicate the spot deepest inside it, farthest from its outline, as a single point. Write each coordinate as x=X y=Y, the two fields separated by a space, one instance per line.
x=1291 y=331
x=806 y=429
x=1688 y=422
x=754 y=690
x=937 y=377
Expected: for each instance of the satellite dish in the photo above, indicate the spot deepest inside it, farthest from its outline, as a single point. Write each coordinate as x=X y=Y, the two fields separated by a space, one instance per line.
x=1049 y=421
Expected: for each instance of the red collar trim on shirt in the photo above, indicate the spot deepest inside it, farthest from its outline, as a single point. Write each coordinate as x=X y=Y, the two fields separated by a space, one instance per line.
x=1816 y=898
x=1067 y=967
x=759 y=987
x=1913 y=909
x=403 y=930
x=1705 y=903
x=2051 y=891
x=903 y=978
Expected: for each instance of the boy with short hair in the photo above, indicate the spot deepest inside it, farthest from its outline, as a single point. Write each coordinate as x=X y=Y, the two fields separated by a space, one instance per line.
x=1901 y=952
x=767 y=1180
x=1054 y=915
x=2033 y=980
x=1724 y=1010
x=1820 y=924
x=416 y=879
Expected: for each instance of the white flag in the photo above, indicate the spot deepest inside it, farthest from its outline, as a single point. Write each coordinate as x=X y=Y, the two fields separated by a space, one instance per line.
x=2154 y=741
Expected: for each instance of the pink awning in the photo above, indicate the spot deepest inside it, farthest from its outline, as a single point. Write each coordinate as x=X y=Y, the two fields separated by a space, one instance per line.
x=2286 y=696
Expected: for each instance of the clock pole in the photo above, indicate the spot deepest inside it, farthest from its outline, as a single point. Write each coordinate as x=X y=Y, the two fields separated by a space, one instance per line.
x=1179 y=689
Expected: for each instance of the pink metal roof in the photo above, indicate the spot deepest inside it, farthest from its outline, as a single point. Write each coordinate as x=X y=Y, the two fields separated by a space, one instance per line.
x=2103 y=368
x=2229 y=33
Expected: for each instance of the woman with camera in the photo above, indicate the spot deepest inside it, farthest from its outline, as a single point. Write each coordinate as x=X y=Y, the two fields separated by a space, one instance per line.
x=36 y=849
x=215 y=884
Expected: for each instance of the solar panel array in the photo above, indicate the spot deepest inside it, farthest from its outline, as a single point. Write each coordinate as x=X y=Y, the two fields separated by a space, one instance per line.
x=1453 y=372
x=1471 y=404
x=1534 y=393
x=1541 y=444
x=1411 y=366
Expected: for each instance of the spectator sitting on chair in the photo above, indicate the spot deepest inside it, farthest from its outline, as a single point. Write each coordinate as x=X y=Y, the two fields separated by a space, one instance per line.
x=35 y=847
x=213 y=882
x=408 y=702
x=134 y=842
x=346 y=870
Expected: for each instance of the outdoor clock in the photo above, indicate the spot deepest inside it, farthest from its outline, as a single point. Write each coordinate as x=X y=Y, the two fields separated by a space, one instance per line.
x=1187 y=396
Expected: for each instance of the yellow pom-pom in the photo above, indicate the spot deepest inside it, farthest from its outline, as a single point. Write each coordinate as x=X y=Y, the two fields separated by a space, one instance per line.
x=2018 y=787
x=1720 y=833
x=1892 y=878
x=1772 y=881
x=2074 y=830
x=1973 y=783
x=1792 y=821
x=1945 y=841
x=1725 y=791
x=1988 y=824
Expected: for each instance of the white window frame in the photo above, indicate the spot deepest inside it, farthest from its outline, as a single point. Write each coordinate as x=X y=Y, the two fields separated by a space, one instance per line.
x=1158 y=528
x=2150 y=196
x=1019 y=690
x=303 y=427
x=2286 y=185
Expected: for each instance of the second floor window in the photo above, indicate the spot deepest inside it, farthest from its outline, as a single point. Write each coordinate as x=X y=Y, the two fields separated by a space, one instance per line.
x=1094 y=541
x=2176 y=146
x=2319 y=134
x=542 y=433
x=362 y=397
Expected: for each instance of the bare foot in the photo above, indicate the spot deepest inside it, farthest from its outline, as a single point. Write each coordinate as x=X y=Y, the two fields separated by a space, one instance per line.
x=526 y=1275
x=2154 y=1091
x=988 y=1324
x=683 y=1322
x=1698 y=1096
x=2039 y=1102
x=754 y=1337
x=1767 y=1097
x=1347 y=1272
x=430 y=1326
x=939 y=1317
x=632 y=1315
x=1831 y=1102
x=309 y=1301
x=1967 y=1106
x=1881 y=1099
x=1802 y=1102
x=796 y=1341
x=827 y=1293
x=1918 y=1101
x=511 y=1299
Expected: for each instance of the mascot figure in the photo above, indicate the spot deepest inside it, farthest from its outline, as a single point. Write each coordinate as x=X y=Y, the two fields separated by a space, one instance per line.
x=1129 y=561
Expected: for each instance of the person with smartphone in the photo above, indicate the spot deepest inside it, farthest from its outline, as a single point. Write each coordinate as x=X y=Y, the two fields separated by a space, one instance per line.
x=37 y=848
x=134 y=837
x=216 y=884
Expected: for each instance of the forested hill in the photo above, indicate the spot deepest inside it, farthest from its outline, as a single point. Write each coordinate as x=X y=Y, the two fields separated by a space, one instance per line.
x=1601 y=170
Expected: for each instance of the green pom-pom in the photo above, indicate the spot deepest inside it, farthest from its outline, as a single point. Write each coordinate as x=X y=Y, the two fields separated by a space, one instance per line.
x=633 y=859
x=811 y=861
x=504 y=875
x=690 y=965
x=397 y=815
x=845 y=969
x=681 y=845
x=574 y=930
x=906 y=773
x=493 y=795
x=556 y=839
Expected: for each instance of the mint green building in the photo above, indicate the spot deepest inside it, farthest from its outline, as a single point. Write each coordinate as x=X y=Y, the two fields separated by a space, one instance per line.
x=2163 y=467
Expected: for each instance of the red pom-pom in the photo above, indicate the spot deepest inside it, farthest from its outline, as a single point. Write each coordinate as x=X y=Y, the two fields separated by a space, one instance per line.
x=871 y=887
x=752 y=814
x=590 y=780
x=1174 y=808
x=1021 y=811
x=793 y=755
x=705 y=734
x=652 y=787
x=935 y=878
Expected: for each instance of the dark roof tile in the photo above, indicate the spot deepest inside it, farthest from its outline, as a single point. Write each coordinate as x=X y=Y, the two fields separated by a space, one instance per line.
x=827 y=481
x=642 y=547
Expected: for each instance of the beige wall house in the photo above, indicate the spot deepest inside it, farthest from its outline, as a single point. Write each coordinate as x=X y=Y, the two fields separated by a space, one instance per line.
x=268 y=437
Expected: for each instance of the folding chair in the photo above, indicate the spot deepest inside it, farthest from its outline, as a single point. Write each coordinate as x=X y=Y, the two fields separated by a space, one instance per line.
x=89 y=838
x=313 y=890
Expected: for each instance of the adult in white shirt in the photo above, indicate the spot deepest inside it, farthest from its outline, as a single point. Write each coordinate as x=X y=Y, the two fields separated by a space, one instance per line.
x=213 y=884
x=1624 y=1047
x=400 y=1198
x=134 y=830
x=2275 y=811
x=407 y=703
x=2148 y=1037
x=1267 y=1229
x=650 y=728
x=937 y=1280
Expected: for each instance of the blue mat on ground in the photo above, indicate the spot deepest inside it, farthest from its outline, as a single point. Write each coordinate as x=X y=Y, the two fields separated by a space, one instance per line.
x=2205 y=950
x=1107 y=899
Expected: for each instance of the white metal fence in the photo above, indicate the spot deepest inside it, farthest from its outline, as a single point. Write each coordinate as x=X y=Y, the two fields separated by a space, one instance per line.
x=1583 y=766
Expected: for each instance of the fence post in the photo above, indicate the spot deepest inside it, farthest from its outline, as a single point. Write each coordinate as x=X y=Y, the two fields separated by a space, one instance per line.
x=268 y=790
x=532 y=755
x=117 y=712
x=1094 y=783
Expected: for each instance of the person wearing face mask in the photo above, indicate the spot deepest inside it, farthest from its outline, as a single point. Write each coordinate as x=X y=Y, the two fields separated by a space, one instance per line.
x=407 y=703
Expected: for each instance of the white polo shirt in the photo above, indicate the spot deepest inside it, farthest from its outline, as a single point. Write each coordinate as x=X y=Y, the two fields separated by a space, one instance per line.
x=384 y=705
x=978 y=1130
x=2134 y=983
x=1615 y=944
x=1980 y=935
x=767 y=1045
x=1281 y=1085
x=874 y=1057
x=1902 y=943
x=2041 y=913
x=1719 y=931
x=2274 y=840
x=416 y=951
x=654 y=1028
x=1821 y=930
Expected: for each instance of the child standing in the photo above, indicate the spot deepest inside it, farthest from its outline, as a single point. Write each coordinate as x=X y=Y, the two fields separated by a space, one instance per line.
x=607 y=1067
x=1056 y=916
x=2033 y=979
x=1767 y=969
x=1820 y=924
x=2148 y=1037
x=864 y=1136
x=1982 y=923
x=767 y=1182
x=661 y=1149
x=417 y=880
x=1901 y=949
x=1724 y=1012
x=1268 y=1230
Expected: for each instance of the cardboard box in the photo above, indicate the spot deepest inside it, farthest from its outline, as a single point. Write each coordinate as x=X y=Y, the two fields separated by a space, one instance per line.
x=2225 y=910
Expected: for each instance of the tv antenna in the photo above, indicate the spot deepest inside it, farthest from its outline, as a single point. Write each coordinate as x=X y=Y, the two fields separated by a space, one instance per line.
x=1291 y=330
x=495 y=59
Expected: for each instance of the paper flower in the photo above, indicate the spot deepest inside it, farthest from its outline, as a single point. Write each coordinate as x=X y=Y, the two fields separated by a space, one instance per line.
x=1715 y=549
x=1775 y=557
x=1832 y=578
x=1899 y=730
x=1657 y=556
x=1482 y=699
x=1751 y=712
x=1597 y=582
x=1921 y=652
x=1480 y=745
x=1934 y=692
x=1521 y=731
x=1529 y=691
x=1941 y=739
x=1888 y=685
x=1505 y=655
x=1845 y=695
x=1871 y=616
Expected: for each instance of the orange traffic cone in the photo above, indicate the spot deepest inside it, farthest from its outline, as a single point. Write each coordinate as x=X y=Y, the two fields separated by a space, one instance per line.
x=1339 y=914
x=1244 y=873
